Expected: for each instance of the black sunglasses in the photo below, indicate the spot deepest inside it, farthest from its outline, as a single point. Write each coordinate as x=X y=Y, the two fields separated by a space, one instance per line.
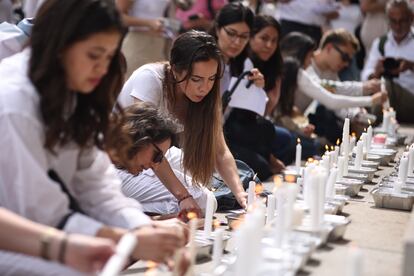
x=158 y=154
x=344 y=56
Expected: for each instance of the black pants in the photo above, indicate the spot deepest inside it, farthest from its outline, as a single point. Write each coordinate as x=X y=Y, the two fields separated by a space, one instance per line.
x=327 y=124
x=291 y=26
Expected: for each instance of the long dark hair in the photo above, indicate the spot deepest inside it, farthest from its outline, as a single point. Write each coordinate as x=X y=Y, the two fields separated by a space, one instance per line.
x=69 y=116
x=272 y=68
x=230 y=14
x=297 y=45
x=202 y=122
x=291 y=68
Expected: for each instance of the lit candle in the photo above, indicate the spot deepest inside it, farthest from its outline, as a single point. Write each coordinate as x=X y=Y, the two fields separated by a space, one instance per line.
x=271 y=204
x=280 y=216
x=336 y=151
x=251 y=193
x=192 y=243
x=359 y=155
x=118 y=261
x=218 y=247
x=363 y=138
x=345 y=137
x=355 y=258
x=341 y=161
x=411 y=161
x=330 y=189
x=326 y=162
x=369 y=136
x=298 y=155
x=403 y=168
x=208 y=218
x=352 y=142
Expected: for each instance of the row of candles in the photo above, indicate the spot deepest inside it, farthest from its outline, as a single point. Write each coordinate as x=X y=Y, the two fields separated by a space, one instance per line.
x=405 y=168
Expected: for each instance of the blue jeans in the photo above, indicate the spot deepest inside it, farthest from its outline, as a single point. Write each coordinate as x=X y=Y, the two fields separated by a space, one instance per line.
x=283 y=146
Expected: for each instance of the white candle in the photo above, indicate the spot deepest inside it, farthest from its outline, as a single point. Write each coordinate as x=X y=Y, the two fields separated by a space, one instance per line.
x=341 y=161
x=386 y=120
x=359 y=155
x=355 y=259
x=386 y=105
x=280 y=215
x=363 y=138
x=306 y=185
x=317 y=199
x=369 y=137
x=123 y=250
x=332 y=158
x=244 y=236
x=345 y=137
x=330 y=189
x=291 y=193
x=192 y=243
x=251 y=193
x=346 y=159
x=208 y=218
x=271 y=204
x=352 y=143
x=336 y=154
x=326 y=163
x=403 y=168
x=298 y=156
x=411 y=161
x=397 y=186
x=218 y=247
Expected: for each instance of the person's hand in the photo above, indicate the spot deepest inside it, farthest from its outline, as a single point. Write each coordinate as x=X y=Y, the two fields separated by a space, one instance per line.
x=308 y=130
x=379 y=98
x=331 y=15
x=276 y=165
x=257 y=78
x=190 y=205
x=371 y=86
x=405 y=65
x=241 y=198
x=88 y=254
x=156 y=25
x=174 y=223
x=158 y=243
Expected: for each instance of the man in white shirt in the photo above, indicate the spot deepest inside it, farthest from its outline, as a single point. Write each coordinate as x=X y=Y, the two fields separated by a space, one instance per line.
x=392 y=56
x=334 y=54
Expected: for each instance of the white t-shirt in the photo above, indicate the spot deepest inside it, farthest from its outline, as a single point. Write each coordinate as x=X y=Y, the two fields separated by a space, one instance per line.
x=148 y=9
x=145 y=84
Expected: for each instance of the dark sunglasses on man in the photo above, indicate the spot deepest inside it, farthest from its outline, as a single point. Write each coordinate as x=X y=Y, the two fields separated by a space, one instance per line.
x=158 y=154
x=344 y=56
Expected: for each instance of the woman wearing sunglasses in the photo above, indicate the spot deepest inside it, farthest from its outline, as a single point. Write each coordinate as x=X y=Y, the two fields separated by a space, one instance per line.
x=187 y=88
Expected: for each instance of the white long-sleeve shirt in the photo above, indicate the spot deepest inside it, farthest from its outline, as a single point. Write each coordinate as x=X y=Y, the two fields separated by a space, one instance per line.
x=309 y=89
x=25 y=187
x=404 y=49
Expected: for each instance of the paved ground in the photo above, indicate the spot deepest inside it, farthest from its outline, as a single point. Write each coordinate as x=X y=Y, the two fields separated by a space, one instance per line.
x=378 y=232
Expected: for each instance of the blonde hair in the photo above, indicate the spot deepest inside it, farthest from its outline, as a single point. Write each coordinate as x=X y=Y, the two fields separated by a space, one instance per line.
x=339 y=37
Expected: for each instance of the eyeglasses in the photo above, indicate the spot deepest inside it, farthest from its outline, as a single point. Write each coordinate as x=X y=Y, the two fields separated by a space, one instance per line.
x=233 y=35
x=344 y=56
x=158 y=154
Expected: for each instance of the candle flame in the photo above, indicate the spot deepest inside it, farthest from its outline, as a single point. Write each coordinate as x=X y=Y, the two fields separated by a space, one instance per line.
x=191 y=215
x=353 y=134
x=151 y=268
x=326 y=147
x=332 y=148
x=290 y=178
x=277 y=181
x=369 y=121
x=216 y=224
x=337 y=142
x=311 y=160
x=365 y=130
x=258 y=189
x=298 y=140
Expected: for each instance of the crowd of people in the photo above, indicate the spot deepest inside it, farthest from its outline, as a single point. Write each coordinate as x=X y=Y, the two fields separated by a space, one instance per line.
x=111 y=112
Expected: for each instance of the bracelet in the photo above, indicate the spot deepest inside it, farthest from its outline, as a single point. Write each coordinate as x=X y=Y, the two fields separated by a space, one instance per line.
x=45 y=243
x=62 y=249
x=184 y=197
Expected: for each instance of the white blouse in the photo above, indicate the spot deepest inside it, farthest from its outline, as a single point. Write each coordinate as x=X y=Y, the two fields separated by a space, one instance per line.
x=309 y=89
x=25 y=187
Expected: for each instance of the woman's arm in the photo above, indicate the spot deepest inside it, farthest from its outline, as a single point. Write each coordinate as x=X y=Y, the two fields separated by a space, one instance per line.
x=274 y=96
x=24 y=236
x=125 y=5
x=226 y=167
x=174 y=185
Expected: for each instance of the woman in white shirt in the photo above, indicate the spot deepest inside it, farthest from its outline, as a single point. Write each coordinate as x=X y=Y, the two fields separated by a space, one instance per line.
x=54 y=114
x=187 y=87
